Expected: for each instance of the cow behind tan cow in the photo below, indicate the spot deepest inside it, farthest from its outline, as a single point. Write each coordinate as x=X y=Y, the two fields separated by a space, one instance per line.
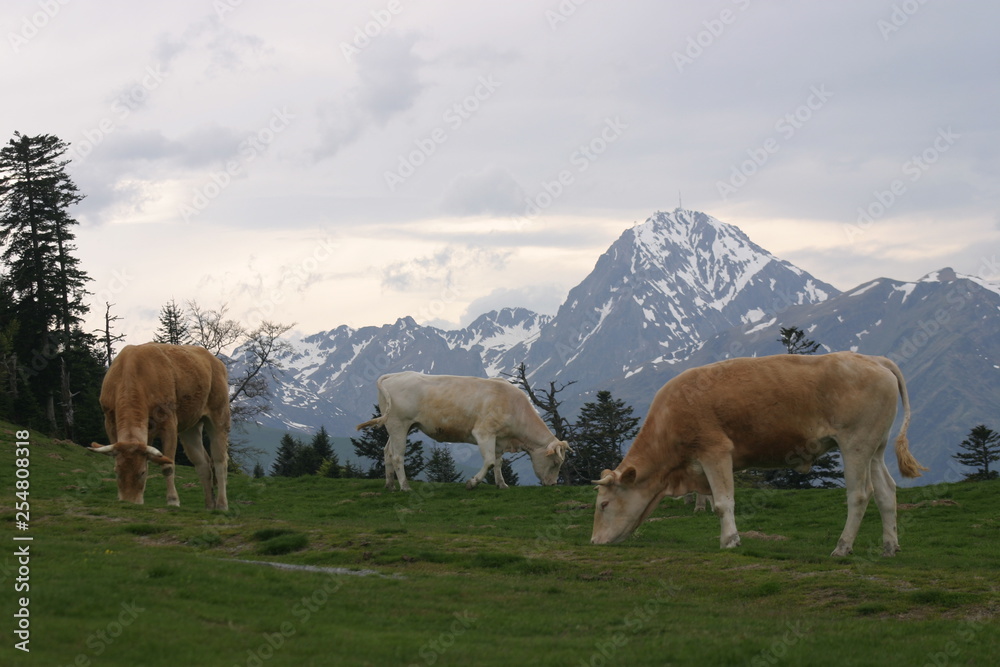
x=166 y=391
x=769 y=412
x=490 y=413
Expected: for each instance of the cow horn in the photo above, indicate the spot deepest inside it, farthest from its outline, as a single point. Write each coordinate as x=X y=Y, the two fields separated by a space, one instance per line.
x=156 y=456
x=102 y=449
x=607 y=480
x=557 y=448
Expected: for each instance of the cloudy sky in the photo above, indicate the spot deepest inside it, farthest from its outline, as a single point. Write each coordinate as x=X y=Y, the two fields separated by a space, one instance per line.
x=351 y=163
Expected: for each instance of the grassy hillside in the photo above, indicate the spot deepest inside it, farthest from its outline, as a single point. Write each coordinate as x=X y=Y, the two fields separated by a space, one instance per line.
x=444 y=576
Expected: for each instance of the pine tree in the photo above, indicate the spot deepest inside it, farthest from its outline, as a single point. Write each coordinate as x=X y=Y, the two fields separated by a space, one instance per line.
x=329 y=462
x=827 y=470
x=371 y=445
x=795 y=341
x=173 y=327
x=509 y=475
x=981 y=448
x=352 y=471
x=441 y=466
x=602 y=429
x=287 y=462
x=258 y=470
x=45 y=286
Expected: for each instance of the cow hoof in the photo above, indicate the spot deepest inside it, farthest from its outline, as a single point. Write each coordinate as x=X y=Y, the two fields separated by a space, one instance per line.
x=174 y=502
x=842 y=551
x=470 y=485
x=731 y=543
x=890 y=550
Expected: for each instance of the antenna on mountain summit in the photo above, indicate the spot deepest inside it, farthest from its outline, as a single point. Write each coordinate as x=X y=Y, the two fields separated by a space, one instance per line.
x=679 y=204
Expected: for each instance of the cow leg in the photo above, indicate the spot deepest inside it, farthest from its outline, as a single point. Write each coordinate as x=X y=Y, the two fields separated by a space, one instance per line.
x=701 y=502
x=395 y=451
x=719 y=472
x=169 y=441
x=195 y=450
x=885 y=498
x=498 y=467
x=488 y=449
x=858 y=481
x=218 y=435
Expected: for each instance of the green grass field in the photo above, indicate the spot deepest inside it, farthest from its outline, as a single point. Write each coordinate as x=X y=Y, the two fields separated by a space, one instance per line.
x=445 y=576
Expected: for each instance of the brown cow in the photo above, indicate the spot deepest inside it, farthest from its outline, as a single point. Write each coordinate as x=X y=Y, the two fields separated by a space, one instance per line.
x=159 y=390
x=780 y=411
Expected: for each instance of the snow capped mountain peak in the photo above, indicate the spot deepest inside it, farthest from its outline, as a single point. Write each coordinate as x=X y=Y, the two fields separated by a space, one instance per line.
x=693 y=249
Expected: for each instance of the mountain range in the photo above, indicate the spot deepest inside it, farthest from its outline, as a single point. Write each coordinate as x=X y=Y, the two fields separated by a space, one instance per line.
x=679 y=290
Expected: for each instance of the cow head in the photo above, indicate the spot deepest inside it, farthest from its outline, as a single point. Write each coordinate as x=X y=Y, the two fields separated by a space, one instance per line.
x=131 y=465
x=547 y=461
x=624 y=500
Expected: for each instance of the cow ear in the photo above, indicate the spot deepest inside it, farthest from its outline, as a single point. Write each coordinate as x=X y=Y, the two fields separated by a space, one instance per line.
x=628 y=477
x=162 y=460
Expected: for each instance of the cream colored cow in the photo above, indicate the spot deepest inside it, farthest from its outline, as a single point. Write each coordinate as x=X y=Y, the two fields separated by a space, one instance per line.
x=490 y=413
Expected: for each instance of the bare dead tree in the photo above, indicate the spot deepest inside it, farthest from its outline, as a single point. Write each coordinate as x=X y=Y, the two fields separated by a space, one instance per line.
x=250 y=393
x=107 y=338
x=257 y=353
x=212 y=330
x=545 y=400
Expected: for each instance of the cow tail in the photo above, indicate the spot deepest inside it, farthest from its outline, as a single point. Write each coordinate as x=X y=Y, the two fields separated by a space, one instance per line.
x=385 y=400
x=908 y=466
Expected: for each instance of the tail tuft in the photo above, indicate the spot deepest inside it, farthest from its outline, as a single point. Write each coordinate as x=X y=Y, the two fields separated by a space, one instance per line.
x=378 y=421
x=908 y=465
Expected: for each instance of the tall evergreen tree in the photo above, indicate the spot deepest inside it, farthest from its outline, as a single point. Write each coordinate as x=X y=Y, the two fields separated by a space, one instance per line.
x=287 y=462
x=310 y=458
x=980 y=449
x=45 y=285
x=441 y=466
x=602 y=429
x=321 y=444
x=371 y=445
x=173 y=326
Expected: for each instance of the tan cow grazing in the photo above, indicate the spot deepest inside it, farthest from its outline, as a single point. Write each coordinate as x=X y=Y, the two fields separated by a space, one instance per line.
x=490 y=413
x=158 y=390
x=780 y=411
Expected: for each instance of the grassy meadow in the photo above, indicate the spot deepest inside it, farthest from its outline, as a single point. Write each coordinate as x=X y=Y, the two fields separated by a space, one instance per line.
x=445 y=576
